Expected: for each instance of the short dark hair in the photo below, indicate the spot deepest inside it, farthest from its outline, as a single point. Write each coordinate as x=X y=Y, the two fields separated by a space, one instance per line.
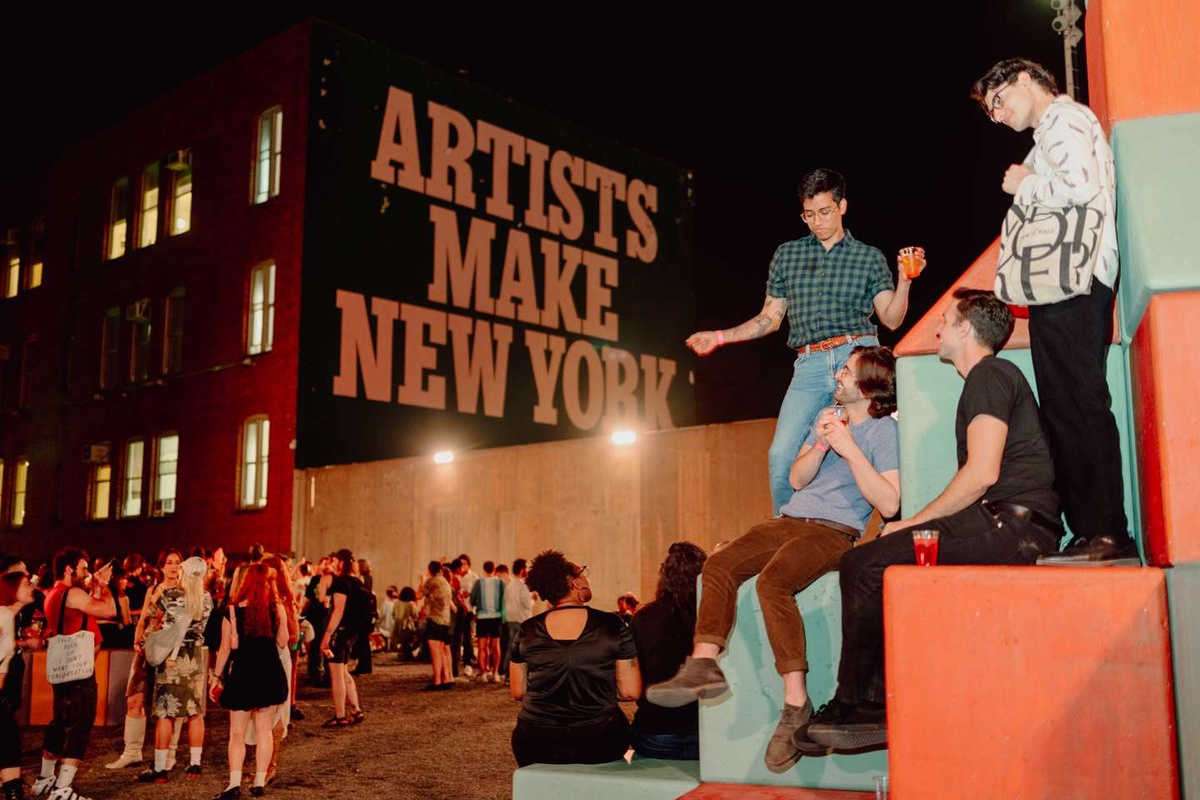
x=489 y=566
x=257 y=551
x=820 y=181
x=1005 y=72
x=408 y=593
x=456 y=564
x=465 y=559
x=435 y=567
x=990 y=317
x=877 y=378
x=518 y=565
x=68 y=557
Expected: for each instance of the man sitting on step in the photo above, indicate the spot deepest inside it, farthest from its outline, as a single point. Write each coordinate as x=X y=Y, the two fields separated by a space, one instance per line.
x=847 y=466
x=999 y=508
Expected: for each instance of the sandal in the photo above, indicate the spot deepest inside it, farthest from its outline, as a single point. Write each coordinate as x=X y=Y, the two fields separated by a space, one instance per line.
x=336 y=722
x=357 y=716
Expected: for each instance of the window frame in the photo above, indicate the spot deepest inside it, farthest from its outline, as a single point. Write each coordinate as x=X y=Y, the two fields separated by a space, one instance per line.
x=94 y=492
x=148 y=218
x=110 y=334
x=266 y=169
x=20 y=492
x=117 y=227
x=260 y=317
x=183 y=177
x=157 y=510
x=174 y=308
x=128 y=479
x=258 y=459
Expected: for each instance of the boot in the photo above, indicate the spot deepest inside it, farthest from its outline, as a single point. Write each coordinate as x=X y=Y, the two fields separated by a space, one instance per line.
x=698 y=678
x=135 y=738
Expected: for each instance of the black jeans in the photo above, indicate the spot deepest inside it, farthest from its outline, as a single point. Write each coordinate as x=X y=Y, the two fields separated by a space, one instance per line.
x=1068 y=342
x=594 y=743
x=970 y=536
x=460 y=642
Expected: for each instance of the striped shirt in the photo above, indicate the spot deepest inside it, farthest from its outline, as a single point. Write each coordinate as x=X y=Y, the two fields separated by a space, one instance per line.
x=828 y=292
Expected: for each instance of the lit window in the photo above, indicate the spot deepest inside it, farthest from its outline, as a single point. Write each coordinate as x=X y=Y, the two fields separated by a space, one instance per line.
x=260 y=332
x=137 y=316
x=173 y=333
x=148 y=220
x=20 y=486
x=255 y=449
x=109 y=334
x=268 y=155
x=181 y=201
x=100 y=491
x=165 y=474
x=37 y=247
x=118 y=218
x=131 y=486
x=12 y=262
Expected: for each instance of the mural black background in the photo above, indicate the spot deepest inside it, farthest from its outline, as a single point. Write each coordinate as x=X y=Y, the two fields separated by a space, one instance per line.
x=745 y=98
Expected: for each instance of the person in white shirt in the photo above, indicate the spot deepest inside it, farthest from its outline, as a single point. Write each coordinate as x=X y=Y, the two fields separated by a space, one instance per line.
x=518 y=607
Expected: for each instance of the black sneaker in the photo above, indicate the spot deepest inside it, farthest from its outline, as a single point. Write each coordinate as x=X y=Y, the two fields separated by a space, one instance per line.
x=833 y=711
x=1095 y=551
x=865 y=726
x=193 y=771
x=154 y=776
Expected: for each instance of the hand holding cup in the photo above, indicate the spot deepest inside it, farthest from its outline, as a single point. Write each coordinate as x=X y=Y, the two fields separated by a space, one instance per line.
x=912 y=261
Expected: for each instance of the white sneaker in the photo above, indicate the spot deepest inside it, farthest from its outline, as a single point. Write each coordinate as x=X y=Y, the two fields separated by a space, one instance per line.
x=67 y=793
x=468 y=670
x=43 y=786
x=126 y=759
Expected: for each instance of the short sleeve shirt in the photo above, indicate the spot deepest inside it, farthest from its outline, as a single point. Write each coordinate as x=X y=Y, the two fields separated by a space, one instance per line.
x=572 y=681
x=828 y=292
x=436 y=592
x=997 y=388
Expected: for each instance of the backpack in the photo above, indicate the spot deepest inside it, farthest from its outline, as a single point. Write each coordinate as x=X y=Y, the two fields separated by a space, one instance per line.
x=363 y=609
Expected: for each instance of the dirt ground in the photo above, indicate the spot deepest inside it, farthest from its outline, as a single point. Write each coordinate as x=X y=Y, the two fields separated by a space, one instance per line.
x=421 y=745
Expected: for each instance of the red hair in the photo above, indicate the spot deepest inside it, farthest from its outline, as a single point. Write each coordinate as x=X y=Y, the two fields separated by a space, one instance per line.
x=258 y=593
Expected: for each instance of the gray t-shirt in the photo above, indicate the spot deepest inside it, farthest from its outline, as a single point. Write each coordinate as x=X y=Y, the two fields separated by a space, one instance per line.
x=832 y=494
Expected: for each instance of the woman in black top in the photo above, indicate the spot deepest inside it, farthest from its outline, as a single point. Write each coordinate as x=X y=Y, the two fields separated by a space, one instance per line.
x=571 y=666
x=662 y=630
x=341 y=634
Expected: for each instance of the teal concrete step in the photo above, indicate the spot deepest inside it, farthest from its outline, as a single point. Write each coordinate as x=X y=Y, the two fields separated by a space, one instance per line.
x=636 y=779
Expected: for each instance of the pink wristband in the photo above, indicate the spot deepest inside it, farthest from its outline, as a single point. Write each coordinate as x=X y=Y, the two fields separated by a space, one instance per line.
x=822 y=447
x=720 y=338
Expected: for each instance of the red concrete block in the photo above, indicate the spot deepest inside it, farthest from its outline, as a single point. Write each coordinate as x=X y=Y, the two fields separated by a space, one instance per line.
x=1164 y=383
x=1029 y=682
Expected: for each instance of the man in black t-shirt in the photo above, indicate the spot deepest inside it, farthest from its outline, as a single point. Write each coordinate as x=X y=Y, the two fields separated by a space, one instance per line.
x=999 y=508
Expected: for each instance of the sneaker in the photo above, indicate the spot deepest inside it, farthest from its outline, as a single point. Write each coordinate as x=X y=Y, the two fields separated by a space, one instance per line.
x=170 y=761
x=468 y=670
x=193 y=771
x=67 y=793
x=1096 y=551
x=258 y=791
x=781 y=754
x=865 y=726
x=833 y=711
x=154 y=776
x=43 y=786
x=698 y=678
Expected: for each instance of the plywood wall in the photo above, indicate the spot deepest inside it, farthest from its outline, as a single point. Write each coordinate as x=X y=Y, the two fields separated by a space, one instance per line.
x=615 y=509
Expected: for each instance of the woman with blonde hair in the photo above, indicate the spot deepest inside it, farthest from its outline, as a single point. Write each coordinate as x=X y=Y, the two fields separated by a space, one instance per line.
x=249 y=680
x=182 y=608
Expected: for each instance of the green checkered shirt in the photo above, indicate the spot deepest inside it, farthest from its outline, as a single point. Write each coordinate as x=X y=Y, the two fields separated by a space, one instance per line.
x=829 y=293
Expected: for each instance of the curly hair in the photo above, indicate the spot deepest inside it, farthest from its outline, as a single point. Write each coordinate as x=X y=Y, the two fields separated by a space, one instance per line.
x=550 y=576
x=677 y=581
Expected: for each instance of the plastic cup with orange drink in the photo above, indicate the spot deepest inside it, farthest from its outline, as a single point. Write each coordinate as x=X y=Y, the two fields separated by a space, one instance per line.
x=912 y=261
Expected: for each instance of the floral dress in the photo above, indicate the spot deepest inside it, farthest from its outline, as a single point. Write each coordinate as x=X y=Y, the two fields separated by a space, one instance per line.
x=179 y=688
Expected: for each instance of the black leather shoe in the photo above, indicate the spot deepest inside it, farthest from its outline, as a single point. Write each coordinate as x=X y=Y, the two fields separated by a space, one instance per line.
x=833 y=711
x=1102 y=549
x=232 y=793
x=865 y=726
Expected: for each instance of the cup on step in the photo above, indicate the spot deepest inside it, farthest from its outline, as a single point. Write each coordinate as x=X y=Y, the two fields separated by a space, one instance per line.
x=925 y=546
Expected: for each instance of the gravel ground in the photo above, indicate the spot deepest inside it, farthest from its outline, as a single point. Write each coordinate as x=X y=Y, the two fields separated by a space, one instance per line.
x=421 y=745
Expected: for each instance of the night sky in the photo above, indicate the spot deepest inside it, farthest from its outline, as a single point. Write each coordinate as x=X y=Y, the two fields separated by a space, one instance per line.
x=747 y=101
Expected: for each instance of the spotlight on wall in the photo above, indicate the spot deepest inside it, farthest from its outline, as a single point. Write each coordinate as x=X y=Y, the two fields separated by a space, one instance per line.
x=624 y=437
x=443 y=457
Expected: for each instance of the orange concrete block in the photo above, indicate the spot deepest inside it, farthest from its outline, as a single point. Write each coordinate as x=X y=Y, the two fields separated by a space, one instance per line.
x=1164 y=383
x=41 y=695
x=1142 y=58
x=742 y=791
x=1034 y=682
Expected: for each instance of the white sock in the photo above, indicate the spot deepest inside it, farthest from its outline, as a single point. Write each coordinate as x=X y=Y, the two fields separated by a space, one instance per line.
x=235 y=778
x=66 y=774
x=195 y=753
x=48 y=765
x=160 y=760
x=260 y=779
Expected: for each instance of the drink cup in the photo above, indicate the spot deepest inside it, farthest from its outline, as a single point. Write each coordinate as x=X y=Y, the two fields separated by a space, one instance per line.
x=912 y=261
x=840 y=414
x=925 y=547
x=881 y=787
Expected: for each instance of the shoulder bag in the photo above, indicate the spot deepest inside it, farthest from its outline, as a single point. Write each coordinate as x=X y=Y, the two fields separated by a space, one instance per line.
x=70 y=657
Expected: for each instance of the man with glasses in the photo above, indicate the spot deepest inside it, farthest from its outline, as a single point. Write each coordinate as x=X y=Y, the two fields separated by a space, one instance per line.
x=1069 y=164
x=847 y=466
x=828 y=284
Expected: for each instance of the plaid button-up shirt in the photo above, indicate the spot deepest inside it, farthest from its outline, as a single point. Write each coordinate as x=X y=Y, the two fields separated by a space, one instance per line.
x=829 y=293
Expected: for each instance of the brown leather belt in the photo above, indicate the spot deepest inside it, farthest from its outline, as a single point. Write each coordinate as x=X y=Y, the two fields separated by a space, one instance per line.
x=850 y=533
x=832 y=342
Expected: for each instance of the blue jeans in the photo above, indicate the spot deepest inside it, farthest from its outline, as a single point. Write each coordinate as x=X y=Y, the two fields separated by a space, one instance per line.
x=811 y=390
x=678 y=746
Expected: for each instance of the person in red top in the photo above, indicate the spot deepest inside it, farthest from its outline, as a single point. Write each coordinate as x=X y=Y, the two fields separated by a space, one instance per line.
x=76 y=601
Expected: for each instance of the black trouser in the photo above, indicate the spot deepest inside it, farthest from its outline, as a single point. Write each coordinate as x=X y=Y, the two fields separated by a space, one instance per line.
x=460 y=641
x=971 y=536
x=594 y=743
x=316 y=660
x=1068 y=342
x=74 y=714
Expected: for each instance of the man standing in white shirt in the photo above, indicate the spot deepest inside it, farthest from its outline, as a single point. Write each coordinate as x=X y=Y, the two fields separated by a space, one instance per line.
x=518 y=607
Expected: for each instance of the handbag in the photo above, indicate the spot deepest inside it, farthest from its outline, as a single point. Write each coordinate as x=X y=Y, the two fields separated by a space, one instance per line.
x=165 y=642
x=70 y=657
x=1048 y=255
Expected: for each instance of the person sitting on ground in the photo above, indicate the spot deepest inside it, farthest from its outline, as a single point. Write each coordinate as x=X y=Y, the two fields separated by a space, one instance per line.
x=571 y=666
x=844 y=470
x=662 y=631
x=999 y=508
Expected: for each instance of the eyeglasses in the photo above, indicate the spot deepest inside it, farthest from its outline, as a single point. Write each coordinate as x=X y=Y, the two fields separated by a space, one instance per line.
x=582 y=572
x=845 y=370
x=998 y=101
x=823 y=213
